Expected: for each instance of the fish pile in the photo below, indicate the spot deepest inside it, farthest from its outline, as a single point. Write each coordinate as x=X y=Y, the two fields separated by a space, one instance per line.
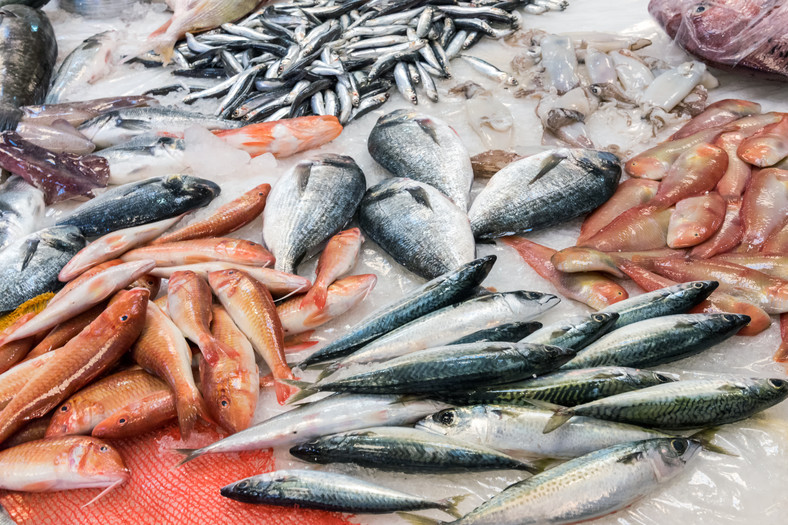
x=340 y=59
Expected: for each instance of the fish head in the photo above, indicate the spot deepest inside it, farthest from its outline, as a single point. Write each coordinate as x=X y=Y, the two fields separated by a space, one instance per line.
x=460 y=421
x=672 y=455
x=97 y=462
x=195 y=188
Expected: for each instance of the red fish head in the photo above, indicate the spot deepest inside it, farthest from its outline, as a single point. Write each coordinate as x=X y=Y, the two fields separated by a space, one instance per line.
x=97 y=462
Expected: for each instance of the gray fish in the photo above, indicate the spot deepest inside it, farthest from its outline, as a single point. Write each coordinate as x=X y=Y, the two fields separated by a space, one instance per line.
x=84 y=65
x=30 y=265
x=310 y=489
x=509 y=332
x=414 y=145
x=145 y=156
x=28 y=51
x=565 y=387
x=121 y=125
x=544 y=190
x=575 y=332
x=418 y=226
x=309 y=204
x=442 y=291
x=661 y=340
x=21 y=207
x=407 y=450
x=140 y=203
x=683 y=405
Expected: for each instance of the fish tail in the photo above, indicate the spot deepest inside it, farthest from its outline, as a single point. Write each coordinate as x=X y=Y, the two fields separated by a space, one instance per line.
x=561 y=416
x=9 y=118
x=317 y=296
x=706 y=436
x=415 y=519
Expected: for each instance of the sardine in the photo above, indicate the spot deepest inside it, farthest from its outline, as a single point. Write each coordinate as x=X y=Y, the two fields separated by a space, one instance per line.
x=21 y=207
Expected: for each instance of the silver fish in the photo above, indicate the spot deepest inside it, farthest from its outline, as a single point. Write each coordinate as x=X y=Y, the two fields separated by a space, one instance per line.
x=87 y=63
x=143 y=157
x=21 y=207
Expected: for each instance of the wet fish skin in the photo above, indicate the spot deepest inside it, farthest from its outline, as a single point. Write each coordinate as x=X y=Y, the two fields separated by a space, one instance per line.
x=418 y=226
x=575 y=332
x=440 y=292
x=419 y=147
x=309 y=204
x=405 y=450
x=140 y=203
x=561 y=184
x=661 y=340
x=84 y=65
x=28 y=51
x=21 y=207
x=29 y=266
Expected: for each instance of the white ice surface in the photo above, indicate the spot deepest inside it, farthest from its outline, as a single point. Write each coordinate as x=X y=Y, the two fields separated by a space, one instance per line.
x=715 y=489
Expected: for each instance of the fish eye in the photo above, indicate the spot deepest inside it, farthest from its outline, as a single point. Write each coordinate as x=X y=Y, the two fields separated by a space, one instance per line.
x=679 y=445
x=124 y=317
x=104 y=448
x=64 y=408
x=777 y=383
x=446 y=417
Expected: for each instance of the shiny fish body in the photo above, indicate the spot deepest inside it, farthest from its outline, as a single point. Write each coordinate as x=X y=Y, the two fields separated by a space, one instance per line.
x=145 y=156
x=544 y=190
x=414 y=145
x=84 y=65
x=438 y=293
x=575 y=332
x=418 y=226
x=21 y=207
x=308 y=205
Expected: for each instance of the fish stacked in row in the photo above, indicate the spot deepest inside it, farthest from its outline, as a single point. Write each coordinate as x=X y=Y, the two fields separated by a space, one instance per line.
x=340 y=59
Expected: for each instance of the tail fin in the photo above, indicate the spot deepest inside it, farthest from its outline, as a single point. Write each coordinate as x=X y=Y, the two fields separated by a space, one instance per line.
x=317 y=295
x=561 y=416
x=705 y=437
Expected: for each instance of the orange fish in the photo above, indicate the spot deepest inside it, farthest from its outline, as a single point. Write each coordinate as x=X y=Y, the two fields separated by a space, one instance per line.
x=695 y=220
x=232 y=386
x=228 y=218
x=764 y=207
x=717 y=114
x=81 y=360
x=225 y=249
x=343 y=295
x=162 y=350
x=727 y=237
x=15 y=351
x=62 y=333
x=637 y=229
x=630 y=193
x=80 y=413
x=252 y=308
x=767 y=147
x=338 y=258
x=732 y=184
x=591 y=288
x=285 y=137
x=139 y=417
x=655 y=163
x=578 y=260
x=696 y=171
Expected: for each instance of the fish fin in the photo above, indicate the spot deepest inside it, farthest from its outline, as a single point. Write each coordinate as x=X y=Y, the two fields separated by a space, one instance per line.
x=415 y=519
x=548 y=164
x=317 y=296
x=104 y=492
x=190 y=453
x=9 y=118
x=560 y=417
x=451 y=505
x=705 y=437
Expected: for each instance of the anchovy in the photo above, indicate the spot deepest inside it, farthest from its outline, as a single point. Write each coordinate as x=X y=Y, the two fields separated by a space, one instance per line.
x=575 y=332
x=21 y=207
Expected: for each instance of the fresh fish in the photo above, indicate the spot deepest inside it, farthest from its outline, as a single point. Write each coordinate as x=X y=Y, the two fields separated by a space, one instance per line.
x=561 y=185
x=413 y=145
x=121 y=125
x=406 y=217
x=518 y=429
x=342 y=296
x=578 y=260
x=75 y=113
x=508 y=332
x=764 y=207
x=727 y=237
x=338 y=258
x=141 y=203
x=656 y=162
x=337 y=413
x=588 y=487
x=717 y=114
x=252 y=308
x=695 y=220
x=326 y=491
x=86 y=64
x=226 y=219
x=661 y=340
x=737 y=176
x=590 y=288
x=163 y=351
x=575 y=332
x=28 y=51
x=21 y=207
x=440 y=292
x=64 y=332
x=283 y=138
x=144 y=156
x=565 y=388
x=406 y=450
x=309 y=204
x=212 y=249
x=29 y=266
x=80 y=413
x=444 y=326
x=630 y=193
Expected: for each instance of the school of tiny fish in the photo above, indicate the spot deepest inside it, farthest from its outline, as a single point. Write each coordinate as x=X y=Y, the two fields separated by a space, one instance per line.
x=199 y=310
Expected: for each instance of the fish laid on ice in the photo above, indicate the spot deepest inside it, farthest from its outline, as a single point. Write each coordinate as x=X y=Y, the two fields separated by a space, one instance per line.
x=87 y=63
x=338 y=258
x=21 y=207
x=283 y=138
x=145 y=156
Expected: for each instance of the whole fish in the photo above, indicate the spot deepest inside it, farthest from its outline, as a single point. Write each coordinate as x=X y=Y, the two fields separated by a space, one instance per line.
x=544 y=190
x=62 y=463
x=252 y=308
x=442 y=291
x=518 y=429
x=232 y=384
x=575 y=332
x=565 y=388
x=717 y=114
x=28 y=51
x=416 y=146
x=75 y=113
x=338 y=258
x=326 y=491
x=444 y=326
x=406 y=450
x=213 y=249
x=661 y=340
x=29 y=266
x=508 y=332
x=139 y=203
x=588 y=487
x=342 y=296
x=681 y=405
x=226 y=219
x=283 y=138
x=337 y=413
x=80 y=413
x=145 y=156
x=139 y=417
x=630 y=193
x=695 y=220
x=86 y=64
x=21 y=207
x=764 y=207
x=309 y=204
x=95 y=349
x=418 y=226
